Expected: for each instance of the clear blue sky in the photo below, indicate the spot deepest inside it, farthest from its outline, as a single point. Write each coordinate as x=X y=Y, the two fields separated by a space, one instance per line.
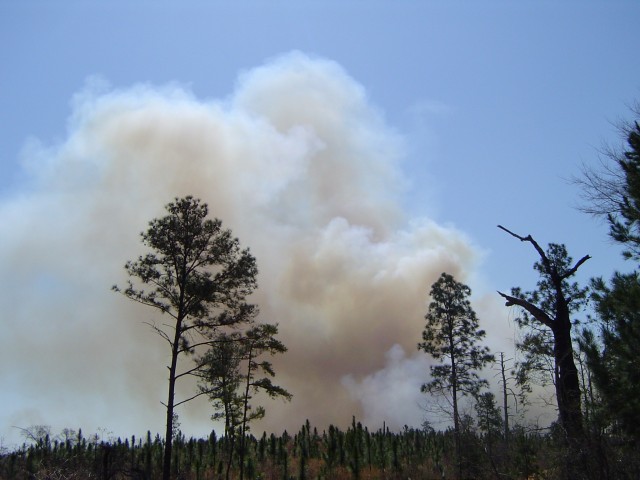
x=497 y=104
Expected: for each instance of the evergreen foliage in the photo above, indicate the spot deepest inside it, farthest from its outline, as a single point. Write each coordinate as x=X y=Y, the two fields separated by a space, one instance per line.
x=615 y=366
x=409 y=453
x=538 y=362
x=196 y=274
x=612 y=352
x=548 y=342
x=625 y=221
x=451 y=336
x=233 y=372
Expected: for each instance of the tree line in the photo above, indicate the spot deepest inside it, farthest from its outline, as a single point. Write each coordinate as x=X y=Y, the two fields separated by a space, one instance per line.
x=354 y=453
x=198 y=279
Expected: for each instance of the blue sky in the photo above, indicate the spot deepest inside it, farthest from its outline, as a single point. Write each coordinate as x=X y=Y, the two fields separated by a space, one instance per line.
x=487 y=107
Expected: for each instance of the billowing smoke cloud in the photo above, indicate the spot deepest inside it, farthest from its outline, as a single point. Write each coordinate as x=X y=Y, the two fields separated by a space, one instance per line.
x=306 y=173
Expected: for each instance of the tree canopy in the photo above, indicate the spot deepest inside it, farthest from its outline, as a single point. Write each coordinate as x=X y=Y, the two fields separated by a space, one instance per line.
x=196 y=274
x=612 y=351
x=451 y=336
x=550 y=307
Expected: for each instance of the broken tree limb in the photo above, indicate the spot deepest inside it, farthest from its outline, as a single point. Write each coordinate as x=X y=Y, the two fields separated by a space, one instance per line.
x=554 y=268
x=531 y=240
x=573 y=270
x=553 y=273
x=536 y=312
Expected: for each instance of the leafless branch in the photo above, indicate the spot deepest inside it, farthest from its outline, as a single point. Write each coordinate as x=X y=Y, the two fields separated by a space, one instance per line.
x=555 y=276
x=160 y=332
x=535 y=244
x=602 y=190
x=537 y=313
x=205 y=392
x=191 y=370
x=576 y=266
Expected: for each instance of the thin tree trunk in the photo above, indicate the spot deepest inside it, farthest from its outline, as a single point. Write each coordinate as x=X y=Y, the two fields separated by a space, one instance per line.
x=232 y=446
x=454 y=394
x=505 y=402
x=456 y=429
x=168 y=442
x=181 y=273
x=244 y=413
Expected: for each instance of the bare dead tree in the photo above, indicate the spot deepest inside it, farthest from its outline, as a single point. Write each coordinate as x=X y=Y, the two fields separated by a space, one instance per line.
x=555 y=315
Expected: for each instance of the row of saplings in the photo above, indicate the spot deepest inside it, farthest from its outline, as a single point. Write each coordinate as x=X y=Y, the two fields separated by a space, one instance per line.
x=331 y=454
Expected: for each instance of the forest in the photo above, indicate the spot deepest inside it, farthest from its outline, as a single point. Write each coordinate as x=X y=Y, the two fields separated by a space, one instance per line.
x=199 y=280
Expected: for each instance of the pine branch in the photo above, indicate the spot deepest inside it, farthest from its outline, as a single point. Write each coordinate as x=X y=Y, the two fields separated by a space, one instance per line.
x=191 y=370
x=535 y=244
x=204 y=392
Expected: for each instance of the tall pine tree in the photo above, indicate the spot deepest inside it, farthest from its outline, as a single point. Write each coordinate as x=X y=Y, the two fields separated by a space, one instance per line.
x=451 y=336
x=613 y=354
x=197 y=275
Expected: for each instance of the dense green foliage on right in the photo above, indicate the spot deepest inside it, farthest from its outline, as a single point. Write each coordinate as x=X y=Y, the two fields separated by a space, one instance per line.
x=613 y=352
x=625 y=222
x=613 y=358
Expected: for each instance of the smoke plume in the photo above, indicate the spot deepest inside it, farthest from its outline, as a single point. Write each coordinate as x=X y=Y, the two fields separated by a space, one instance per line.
x=307 y=174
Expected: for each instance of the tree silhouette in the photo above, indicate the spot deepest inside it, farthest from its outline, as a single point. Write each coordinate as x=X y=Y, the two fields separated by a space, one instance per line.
x=450 y=336
x=548 y=309
x=199 y=277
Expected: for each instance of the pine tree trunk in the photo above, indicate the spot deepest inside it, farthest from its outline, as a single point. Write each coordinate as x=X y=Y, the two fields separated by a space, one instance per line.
x=245 y=408
x=456 y=429
x=168 y=438
x=569 y=406
x=168 y=442
x=454 y=395
x=569 y=403
x=568 y=384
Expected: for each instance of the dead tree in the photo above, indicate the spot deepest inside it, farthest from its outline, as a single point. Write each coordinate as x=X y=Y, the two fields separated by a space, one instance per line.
x=559 y=323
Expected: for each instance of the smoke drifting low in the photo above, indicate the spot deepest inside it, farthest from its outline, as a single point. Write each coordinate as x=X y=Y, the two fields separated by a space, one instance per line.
x=306 y=173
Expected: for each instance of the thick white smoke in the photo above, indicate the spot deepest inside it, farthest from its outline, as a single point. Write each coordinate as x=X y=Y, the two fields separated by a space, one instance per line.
x=306 y=173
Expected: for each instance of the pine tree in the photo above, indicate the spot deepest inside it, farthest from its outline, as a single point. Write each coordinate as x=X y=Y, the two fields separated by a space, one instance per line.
x=613 y=358
x=198 y=276
x=612 y=355
x=451 y=336
x=257 y=341
x=625 y=227
x=221 y=380
x=233 y=372
x=489 y=419
x=546 y=320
